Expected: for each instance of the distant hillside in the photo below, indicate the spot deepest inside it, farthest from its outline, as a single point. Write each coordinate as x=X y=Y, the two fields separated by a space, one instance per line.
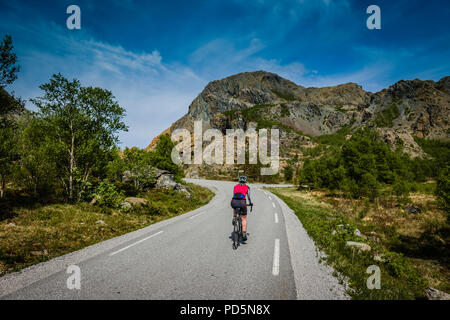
x=407 y=109
x=10 y=106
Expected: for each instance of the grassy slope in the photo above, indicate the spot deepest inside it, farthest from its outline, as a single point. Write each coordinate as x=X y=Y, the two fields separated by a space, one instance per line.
x=41 y=233
x=403 y=240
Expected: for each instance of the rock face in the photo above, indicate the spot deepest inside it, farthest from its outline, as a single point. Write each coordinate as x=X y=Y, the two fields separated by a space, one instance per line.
x=166 y=181
x=407 y=109
x=434 y=294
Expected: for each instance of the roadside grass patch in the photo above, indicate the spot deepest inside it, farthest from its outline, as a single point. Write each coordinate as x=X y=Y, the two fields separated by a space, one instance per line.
x=39 y=233
x=331 y=227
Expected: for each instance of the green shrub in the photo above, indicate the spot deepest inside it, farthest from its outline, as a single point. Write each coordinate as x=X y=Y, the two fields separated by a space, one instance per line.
x=401 y=189
x=386 y=117
x=288 y=172
x=284 y=110
x=107 y=195
x=443 y=191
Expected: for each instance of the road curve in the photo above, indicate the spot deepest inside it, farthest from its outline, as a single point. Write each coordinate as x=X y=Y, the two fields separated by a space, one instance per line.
x=191 y=257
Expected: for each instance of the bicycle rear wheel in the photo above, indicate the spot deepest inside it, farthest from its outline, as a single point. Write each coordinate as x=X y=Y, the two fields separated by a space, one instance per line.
x=237 y=232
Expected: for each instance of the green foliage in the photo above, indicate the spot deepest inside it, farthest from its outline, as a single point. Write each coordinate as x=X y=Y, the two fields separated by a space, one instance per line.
x=386 y=117
x=35 y=172
x=8 y=154
x=284 y=110
x=107 y=195
x=443 y=190
x=288 y=173
x=161 y=157
x=79 y=126
x=368 y=187
x=336 y=139
x=138 y=163
x=158 y=209
x=439 y=150
x=362 y=166
x=8 y=60
x=401 y=189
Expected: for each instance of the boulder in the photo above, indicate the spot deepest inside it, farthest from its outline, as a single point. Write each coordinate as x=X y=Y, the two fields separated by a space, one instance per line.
x=413 y=209
x=136 y=202
x=126 y=206
x=359 y=234
x=166 y=181
x=101 y=222
x=358 y=245
x=435 y=294
x=159 y=172
x=127 y=176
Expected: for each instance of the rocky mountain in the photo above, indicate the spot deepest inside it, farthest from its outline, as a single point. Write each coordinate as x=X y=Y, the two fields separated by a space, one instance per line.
x=407 y=109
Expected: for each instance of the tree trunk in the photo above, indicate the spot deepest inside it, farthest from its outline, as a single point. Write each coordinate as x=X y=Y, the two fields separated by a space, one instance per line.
x=2 y=186
x=71 y=164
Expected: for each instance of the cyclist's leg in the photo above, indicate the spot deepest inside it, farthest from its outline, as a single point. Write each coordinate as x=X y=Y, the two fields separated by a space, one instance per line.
x=244 y=223
x=244 y=219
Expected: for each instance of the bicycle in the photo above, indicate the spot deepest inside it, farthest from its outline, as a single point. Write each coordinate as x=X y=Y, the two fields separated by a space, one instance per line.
x=237 y=228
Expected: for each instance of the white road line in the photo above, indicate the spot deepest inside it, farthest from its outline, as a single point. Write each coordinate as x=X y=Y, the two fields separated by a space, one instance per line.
x=276 y=258
x=276 y=217
x=196 y=215
x=270 y=198
x=137 y=242
x=273 y=204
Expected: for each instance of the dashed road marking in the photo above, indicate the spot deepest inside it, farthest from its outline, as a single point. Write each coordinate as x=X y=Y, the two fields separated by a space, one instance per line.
x=276 y=258
x=137 y=242
x=196 y=215
x=273 y=204
x=276 y=217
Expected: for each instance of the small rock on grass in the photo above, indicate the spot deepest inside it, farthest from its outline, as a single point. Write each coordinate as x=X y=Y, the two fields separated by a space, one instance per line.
x=39 y=253
x=358 y=245
x=379 y=258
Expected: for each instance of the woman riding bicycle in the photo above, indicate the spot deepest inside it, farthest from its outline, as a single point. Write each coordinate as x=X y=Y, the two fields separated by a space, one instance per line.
x=240 y=193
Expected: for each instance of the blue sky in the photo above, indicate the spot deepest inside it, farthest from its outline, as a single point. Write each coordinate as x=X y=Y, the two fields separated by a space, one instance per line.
x=156 y=56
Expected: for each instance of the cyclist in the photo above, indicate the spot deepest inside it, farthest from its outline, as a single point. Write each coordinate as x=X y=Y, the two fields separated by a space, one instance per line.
x=240 y=193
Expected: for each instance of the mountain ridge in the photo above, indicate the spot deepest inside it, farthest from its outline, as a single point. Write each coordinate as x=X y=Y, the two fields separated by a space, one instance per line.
x=406 y=109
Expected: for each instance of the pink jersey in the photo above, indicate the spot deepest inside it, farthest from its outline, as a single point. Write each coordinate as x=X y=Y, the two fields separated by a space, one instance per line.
x=241 y=189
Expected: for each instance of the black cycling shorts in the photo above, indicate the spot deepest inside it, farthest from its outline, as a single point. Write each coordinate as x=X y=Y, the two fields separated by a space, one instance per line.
x=240 y=203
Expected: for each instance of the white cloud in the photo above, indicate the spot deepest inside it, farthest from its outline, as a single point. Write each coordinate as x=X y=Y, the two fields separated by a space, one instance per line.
x=153 y=93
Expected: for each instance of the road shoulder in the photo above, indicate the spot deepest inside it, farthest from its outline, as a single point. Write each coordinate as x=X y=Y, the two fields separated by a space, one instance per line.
x=313 y=280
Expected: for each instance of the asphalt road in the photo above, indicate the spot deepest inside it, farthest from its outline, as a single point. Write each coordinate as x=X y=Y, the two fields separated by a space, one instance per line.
x=191 y=257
